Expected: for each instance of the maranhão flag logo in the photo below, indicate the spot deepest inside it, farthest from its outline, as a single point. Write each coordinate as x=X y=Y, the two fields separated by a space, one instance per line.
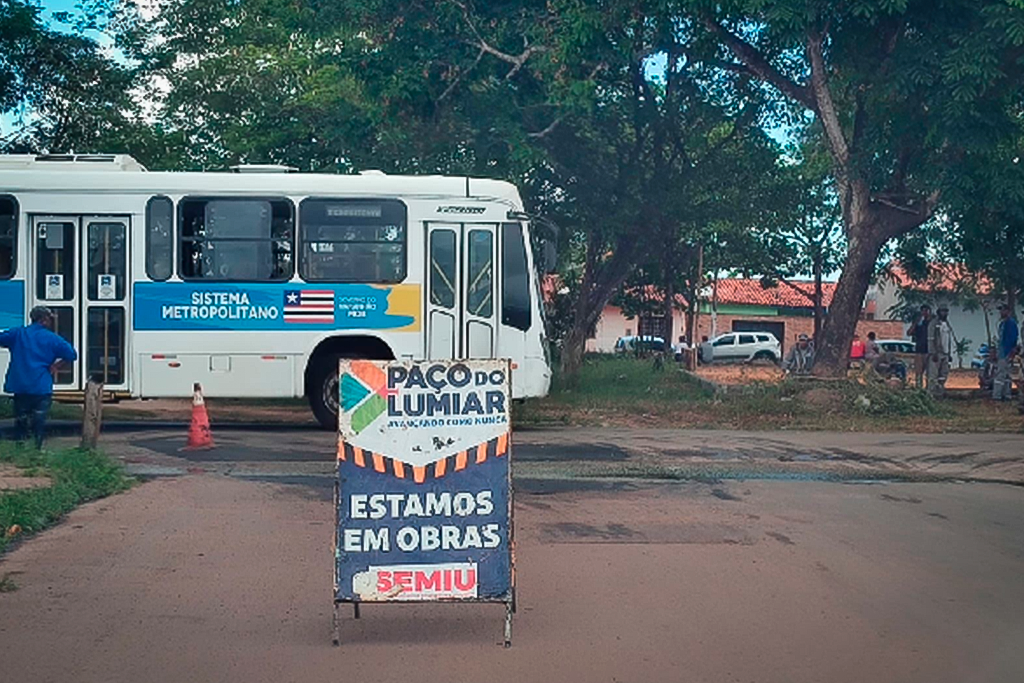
x=309 y=306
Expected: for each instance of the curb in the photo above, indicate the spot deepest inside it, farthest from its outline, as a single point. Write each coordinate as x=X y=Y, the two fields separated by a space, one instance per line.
x=74 y=428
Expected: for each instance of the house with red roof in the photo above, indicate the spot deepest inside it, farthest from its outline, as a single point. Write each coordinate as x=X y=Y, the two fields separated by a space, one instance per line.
x=786 y=309
x=970 y=296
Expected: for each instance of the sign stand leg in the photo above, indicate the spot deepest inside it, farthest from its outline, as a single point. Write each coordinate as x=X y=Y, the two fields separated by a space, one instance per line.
x=355 y=609
x=508 y=624
x=336 y=626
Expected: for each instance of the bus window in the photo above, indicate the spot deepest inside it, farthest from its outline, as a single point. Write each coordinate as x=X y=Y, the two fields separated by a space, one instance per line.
x=515 y=285
x=479 y=300
x=159 y=238
x=8 y=236
x=236 y=239
x=442 y=268
x=352 y=240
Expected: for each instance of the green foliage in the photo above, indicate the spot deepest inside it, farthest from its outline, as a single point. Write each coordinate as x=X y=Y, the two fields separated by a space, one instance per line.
x=875 y=398
x=64 y=91
x=627 y=383
x=78 y=476
x=903 y=93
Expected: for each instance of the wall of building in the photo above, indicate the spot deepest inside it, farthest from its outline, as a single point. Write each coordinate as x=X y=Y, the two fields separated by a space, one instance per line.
x=966 y=324
x=797 y=325
x=613 y=324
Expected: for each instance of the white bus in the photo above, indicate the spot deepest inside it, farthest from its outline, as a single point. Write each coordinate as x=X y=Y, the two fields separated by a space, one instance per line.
x=254 y=283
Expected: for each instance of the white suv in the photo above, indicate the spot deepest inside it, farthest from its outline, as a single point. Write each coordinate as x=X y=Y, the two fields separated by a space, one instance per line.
x=742 y=346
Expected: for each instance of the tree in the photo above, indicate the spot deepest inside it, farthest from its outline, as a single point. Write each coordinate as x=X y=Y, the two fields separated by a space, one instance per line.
x=986 y=219
x=899 y=92
x=66 y=92
x=808 y=238
x=598 y=112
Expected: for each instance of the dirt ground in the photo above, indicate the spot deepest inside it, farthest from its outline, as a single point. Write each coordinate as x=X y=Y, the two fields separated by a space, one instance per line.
x=210 y=578
x=741 y=373
x=12 y=478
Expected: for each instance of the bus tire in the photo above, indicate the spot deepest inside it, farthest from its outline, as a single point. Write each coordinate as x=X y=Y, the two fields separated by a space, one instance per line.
x=323 y=391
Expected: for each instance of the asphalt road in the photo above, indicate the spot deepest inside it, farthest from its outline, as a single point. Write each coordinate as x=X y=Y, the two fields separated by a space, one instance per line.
x=754 y=576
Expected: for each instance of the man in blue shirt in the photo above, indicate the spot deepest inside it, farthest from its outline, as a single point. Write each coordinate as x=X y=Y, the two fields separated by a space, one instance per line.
x=35 y=353
x=1006 y=349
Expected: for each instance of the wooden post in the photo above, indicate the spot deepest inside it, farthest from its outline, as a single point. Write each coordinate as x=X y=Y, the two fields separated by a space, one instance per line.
x=691 y=361
x=92 y=415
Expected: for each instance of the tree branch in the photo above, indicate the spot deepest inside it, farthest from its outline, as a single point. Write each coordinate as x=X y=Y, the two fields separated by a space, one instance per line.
x=458 y=78
x=517 y=61
x=759 y=66
x=548 y=130
x=824 y=106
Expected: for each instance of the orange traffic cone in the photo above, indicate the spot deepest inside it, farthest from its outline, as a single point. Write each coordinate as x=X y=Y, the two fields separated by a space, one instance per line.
x=199 y=436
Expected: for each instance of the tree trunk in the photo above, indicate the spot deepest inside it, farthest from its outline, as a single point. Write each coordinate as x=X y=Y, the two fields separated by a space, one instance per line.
x=833 y=349
x=599 y=282
x=670 y=319
x=817 y=299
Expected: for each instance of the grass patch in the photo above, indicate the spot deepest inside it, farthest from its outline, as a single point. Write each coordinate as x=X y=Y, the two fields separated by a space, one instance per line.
x=627 y=386
x=614 y=381
x=78 y=476
x=7 y=584
x=625 y=392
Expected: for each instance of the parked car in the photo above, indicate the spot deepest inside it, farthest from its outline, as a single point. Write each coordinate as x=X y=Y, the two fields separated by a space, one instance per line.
x=743 y=347
x=639 y=344
x=897 y=346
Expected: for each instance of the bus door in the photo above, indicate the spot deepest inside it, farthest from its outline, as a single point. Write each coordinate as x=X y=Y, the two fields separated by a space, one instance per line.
x=461 y=284
x=81 y=272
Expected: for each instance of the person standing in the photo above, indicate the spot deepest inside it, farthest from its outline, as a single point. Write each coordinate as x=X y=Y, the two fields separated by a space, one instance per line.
x=940 y=343
x=918 y=332
x=1006 y=348
x=35 y=354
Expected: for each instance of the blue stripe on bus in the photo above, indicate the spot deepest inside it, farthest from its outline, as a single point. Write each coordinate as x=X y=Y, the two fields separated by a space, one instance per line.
x=12 y=303
x=259 y=306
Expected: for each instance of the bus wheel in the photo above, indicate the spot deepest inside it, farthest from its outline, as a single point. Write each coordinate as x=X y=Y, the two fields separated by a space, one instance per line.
x=323 y=392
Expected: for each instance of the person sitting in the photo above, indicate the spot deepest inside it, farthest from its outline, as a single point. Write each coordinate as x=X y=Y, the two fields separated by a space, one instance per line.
x=800 y=358
x=872 y=351
x=680 y=348
x=987 y=371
